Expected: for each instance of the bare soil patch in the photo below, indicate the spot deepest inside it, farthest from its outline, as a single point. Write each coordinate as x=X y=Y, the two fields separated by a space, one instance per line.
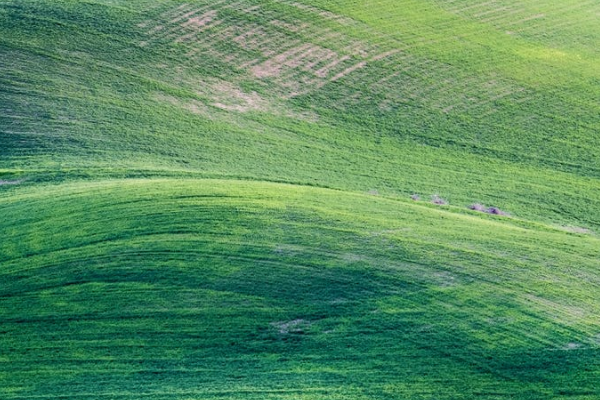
x=273 y=66
x=323 y=72
x=349 y=70
x=200 y=21
x=182 y=17
x=193 y=106
x=290 y=27
x=294 y=66
x=340 y=19
x=385 y=55
x=229 y=97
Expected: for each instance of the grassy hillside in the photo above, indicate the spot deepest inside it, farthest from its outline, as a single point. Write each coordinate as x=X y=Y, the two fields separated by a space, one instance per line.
x=211 y=199
x=201 y=289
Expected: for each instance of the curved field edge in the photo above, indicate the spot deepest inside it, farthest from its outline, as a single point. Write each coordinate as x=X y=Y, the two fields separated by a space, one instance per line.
x=210 y=288
x=445 y=105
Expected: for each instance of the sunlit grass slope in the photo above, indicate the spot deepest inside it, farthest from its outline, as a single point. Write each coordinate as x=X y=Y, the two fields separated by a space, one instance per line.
x=210 y=199
x=228 y=289
x=401 y=97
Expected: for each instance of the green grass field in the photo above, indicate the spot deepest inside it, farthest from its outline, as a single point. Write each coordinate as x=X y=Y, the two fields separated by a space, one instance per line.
x=212 y=199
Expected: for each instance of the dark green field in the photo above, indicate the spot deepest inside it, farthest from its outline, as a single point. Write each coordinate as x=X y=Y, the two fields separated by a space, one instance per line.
x=212 y=199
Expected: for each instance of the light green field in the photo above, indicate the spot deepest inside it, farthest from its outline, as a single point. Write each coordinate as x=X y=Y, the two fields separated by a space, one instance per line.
x=211 y=199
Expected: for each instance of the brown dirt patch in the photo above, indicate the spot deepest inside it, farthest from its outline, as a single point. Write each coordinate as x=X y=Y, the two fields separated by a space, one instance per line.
x=188 y=37
x=198 y=22
x=290 y=27
x=252 y=10
x=324 y=71
x=385 y=55
x=358 y=49
x=156 y=29
x=182 y=17
x=250 y=38
x=349 y=70
x=197 y=25
x=229 y=97
x=273 y=66
x=340 y=19
x=322 y=55
x=193 y=106
x=293 y=66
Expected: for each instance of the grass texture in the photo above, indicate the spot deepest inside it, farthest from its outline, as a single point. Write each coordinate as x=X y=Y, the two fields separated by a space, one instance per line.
x=212 y=199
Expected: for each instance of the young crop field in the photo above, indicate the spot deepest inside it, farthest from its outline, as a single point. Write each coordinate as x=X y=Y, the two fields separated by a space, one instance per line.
x=299 y=199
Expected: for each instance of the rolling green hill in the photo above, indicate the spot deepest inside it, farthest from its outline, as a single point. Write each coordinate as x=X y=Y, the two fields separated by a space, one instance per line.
x=212 y=199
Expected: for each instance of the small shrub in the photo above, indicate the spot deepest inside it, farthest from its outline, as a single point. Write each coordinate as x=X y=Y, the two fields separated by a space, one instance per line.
x=495 y=211
x=435 y=199
x=489 y=210
x=477 y=207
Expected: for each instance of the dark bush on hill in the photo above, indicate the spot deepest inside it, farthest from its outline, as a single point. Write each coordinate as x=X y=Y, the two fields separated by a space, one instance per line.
x=490 y=210
x=435 y=199
x=477 y=207
x=495 y=211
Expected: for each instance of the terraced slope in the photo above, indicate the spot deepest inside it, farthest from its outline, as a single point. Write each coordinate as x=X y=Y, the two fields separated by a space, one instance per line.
x=211 y=199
